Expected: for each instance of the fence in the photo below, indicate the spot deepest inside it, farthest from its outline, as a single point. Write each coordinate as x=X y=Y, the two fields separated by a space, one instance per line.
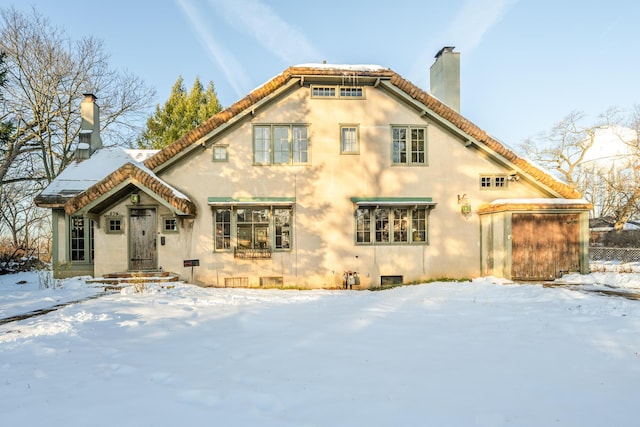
x=614 y=254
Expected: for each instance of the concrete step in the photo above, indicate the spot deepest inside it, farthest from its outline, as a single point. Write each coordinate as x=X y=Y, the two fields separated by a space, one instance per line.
x=130 y=277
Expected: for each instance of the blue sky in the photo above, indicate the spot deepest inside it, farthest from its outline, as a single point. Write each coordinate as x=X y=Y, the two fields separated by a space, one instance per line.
x=525 y=64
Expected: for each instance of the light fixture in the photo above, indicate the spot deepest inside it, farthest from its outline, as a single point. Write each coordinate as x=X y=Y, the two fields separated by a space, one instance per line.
x=135 y=198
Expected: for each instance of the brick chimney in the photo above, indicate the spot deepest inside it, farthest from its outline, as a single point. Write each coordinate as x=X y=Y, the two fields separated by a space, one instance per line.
x=90 y=124
x=445 y=77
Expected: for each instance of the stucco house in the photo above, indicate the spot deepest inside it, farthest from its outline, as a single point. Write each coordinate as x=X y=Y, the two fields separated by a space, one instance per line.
x=324 y=169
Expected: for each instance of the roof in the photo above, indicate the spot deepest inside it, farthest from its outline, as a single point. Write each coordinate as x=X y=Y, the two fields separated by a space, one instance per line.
x=375 y=73
x=81 y=183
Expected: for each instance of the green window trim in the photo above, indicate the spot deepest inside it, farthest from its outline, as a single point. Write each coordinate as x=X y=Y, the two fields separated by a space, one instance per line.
x=80 y=240
x=249 y=224
x=169 y=224
x=114 y=225
x=281 y=144
x=349 y=139
x=409 y=145
x=220 y=153
x=392 y=220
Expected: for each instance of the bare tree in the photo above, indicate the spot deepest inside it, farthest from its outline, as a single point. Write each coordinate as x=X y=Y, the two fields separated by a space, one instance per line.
x=43 y=76
x=47 y=73
x=611 y=186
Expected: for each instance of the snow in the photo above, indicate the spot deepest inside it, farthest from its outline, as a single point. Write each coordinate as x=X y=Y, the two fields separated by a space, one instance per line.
x=79 y=176
x=480 y=353
x=540 y=201
x=350 y=67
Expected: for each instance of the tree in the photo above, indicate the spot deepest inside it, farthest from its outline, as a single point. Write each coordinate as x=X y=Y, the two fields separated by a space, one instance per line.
x=611 y=186
x=46 y=75
x=43 y=76
x=182 y=112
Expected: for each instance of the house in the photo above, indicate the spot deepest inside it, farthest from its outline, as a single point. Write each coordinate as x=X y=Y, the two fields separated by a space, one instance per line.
x=323 y=171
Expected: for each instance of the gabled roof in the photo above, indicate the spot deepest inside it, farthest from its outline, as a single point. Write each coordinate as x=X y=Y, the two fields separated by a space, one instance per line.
x=375 y=75
x=118 y=183
x=109 y=170
x=79 y=176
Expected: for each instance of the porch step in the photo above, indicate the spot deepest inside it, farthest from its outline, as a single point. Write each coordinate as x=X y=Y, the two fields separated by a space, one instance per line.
x=129 y=277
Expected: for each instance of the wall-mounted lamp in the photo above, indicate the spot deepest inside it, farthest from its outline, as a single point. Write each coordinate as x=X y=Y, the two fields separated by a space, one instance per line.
x=135 y=198
x=513 y=177
x=465 y=206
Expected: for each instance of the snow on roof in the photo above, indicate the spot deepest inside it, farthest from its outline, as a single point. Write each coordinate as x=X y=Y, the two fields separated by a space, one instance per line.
x=540 y=201
x=79 y=176
x=352 y=67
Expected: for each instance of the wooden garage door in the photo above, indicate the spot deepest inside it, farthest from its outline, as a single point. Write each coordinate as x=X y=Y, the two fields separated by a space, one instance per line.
x=544 y=246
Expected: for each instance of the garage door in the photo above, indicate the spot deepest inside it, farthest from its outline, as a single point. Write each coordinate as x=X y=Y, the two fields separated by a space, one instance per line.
x=544 y=246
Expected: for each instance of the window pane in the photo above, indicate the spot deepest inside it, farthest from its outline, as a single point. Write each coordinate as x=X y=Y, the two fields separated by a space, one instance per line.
x=399 y=145
x=400 y=225
x=349 y=137
x=223 y=229
x=417 y=146
x=281 y=144
x=382 y=225
x=262 y=144
x=77 y=239
x=419 y=225
x=300 y=145
x=363 y=226
x=282 y=218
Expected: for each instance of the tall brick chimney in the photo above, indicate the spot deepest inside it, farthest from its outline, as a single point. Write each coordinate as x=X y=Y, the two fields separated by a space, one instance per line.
x=445 y=77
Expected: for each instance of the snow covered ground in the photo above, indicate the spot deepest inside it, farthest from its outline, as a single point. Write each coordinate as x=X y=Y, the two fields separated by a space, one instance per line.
x=480 y=353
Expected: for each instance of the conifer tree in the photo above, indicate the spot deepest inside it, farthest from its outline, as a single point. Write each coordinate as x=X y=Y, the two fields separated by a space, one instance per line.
x=182 y=112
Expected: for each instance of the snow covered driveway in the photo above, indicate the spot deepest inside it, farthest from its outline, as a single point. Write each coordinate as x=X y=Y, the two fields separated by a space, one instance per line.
x=446 y=354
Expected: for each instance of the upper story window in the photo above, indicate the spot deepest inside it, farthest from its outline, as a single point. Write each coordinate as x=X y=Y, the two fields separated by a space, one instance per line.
x=349 y=143
x=493 y=182
x=280 y=144
x=338 y=92
x=220 y=153
x=409 y=145
x=323 y=91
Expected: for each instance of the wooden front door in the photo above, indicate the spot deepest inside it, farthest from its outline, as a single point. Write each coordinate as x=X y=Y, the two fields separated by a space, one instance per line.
x=544 y=246
x=142 y=239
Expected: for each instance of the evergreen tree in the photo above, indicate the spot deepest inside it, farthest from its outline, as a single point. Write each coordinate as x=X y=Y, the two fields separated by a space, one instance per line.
x=182 y=112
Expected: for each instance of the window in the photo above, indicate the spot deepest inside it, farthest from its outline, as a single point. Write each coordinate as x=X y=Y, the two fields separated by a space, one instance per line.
x=391 y=225
x=349 y=139
x=223 y=229
x=80 y=239
x=351 y=92
x=280 y=144
x=493 y=182
x=114 y=225
x=337 y=92
x=323 y=91
x=220 y=153
x=409 y=145
x=260 y=227
x=169 y=225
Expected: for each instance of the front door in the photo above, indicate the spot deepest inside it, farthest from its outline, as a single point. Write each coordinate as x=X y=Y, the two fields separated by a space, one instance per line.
x=142 y=239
